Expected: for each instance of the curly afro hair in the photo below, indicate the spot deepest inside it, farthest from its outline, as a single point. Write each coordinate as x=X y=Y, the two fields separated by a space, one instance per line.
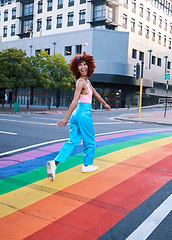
x=73 y=66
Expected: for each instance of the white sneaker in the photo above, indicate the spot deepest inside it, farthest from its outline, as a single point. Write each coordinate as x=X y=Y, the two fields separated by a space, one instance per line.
x=89 y=168
x=51 y=169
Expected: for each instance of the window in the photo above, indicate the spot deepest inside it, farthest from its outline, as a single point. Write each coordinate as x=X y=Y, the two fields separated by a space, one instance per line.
x=0 y=16
x=147 y=32
x=168 y=65
x=39 y=24
x=124 y=20
x=99 y=12
x=14 y=13
x=28 y=25
x=12 y=29
x=78 y=49
x=148 y=14
x=159 y=38
x=70 y=3
x=60 y=4
x=40 y=6
x=153 y=35
x=134 y=53
x=70 y=19
x=169 y=43
x=153 y=60
x=47 y=50
x=28 y=9
x=141 y=10
x=134 y=6
x=140 y=28
x=49 y=5
x=82 y=1
x=165 y=25
x=37 y=51
x=49 y=23
x=133 y=25
x=82 y=16
x=59 y=20
x=160 y=22
x=5 y=31
x=154 y=18
x=6 y=15
x=165 y=40
x=159 y=62
x=141 y=56
x=68 y=50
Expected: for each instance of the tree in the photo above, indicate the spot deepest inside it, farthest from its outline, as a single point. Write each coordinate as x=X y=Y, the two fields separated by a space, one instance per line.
x=55 y=72
x=15 y=70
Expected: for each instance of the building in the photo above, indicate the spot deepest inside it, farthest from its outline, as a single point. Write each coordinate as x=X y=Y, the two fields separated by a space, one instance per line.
x=119 y=33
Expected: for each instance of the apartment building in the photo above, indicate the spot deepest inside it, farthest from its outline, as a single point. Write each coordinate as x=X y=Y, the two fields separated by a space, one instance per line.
x=119 y=33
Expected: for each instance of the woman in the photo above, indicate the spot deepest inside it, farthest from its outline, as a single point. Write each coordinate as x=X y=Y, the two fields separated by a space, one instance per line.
x=81 y=121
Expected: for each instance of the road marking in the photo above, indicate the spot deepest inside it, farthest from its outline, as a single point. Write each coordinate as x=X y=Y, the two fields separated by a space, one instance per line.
x=10 y=115
x=8 y=133
x=102 y=123
x=54 y=124
x=10 y=120
x=61 y=140
x=148 y=226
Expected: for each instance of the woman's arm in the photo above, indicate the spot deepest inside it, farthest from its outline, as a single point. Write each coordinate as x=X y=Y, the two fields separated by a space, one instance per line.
x=100 y=99
x=79 y=87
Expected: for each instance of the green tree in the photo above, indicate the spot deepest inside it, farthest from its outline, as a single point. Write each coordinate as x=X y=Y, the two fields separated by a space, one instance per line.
x=55 y=72
x=15 y=70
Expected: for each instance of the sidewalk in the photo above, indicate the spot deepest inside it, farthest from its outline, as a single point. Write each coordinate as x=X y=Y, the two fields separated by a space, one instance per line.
x=156 y=116
x=32 y=109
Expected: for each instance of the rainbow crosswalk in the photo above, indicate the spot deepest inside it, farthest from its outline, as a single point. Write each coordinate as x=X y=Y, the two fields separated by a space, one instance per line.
x=132 y=167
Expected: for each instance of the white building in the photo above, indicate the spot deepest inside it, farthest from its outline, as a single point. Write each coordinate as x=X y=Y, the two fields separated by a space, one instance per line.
x=119 y=33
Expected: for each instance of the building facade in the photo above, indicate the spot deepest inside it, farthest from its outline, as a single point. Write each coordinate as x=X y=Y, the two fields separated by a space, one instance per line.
x=118 y=33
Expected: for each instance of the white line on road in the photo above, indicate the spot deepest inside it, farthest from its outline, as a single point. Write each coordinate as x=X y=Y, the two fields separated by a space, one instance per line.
x=148 y=226
x=55 y=141
x=8 y=133
x=66 y=139
x=10 y=120
x=18 y=116
x=54 y=124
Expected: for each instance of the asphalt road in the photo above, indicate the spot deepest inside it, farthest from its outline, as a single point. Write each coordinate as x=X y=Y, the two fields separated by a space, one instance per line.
x=26 y=130
x=23 y=132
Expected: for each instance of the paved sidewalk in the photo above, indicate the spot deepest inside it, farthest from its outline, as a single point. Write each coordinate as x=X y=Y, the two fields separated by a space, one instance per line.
x=155 y=116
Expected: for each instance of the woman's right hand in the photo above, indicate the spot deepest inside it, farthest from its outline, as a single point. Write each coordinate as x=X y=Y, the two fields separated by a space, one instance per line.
x=62 y=123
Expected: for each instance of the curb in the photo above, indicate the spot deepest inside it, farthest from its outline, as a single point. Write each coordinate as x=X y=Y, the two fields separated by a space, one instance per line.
x=142 y=121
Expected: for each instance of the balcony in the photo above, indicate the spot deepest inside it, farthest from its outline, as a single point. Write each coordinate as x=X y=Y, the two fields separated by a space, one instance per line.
x=140 y=33
x=132 y=29
x=26 y=17
x=124 y=25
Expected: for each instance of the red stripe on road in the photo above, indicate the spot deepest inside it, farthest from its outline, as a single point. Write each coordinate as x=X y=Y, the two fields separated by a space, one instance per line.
x=96 y=217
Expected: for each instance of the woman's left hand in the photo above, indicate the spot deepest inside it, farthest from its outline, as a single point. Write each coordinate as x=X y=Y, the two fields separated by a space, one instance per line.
x=107 y=107
x=62 y=123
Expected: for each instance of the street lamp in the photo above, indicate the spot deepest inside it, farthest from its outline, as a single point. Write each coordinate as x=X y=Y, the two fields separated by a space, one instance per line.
x=30 y=50
x=166 y=57
x=54 y=43
x=150 y=51
x=84 y=45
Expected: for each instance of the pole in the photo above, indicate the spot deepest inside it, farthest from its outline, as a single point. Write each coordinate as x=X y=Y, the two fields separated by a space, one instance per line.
x=149 y=58
x=141 y=89
x=166 y=87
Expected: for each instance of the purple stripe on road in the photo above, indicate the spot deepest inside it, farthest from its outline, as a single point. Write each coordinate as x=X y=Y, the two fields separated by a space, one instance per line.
x=22 y=157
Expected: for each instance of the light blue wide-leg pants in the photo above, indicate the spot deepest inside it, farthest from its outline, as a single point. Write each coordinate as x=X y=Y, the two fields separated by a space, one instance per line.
x=81 y=125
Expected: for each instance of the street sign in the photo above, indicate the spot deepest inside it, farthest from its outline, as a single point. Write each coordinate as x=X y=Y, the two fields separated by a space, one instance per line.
x=167 y=76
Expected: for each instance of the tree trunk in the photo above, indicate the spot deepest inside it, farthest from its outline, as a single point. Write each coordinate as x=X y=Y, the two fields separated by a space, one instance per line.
x=49 y=102
x=15 y=91
x=58 y=98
